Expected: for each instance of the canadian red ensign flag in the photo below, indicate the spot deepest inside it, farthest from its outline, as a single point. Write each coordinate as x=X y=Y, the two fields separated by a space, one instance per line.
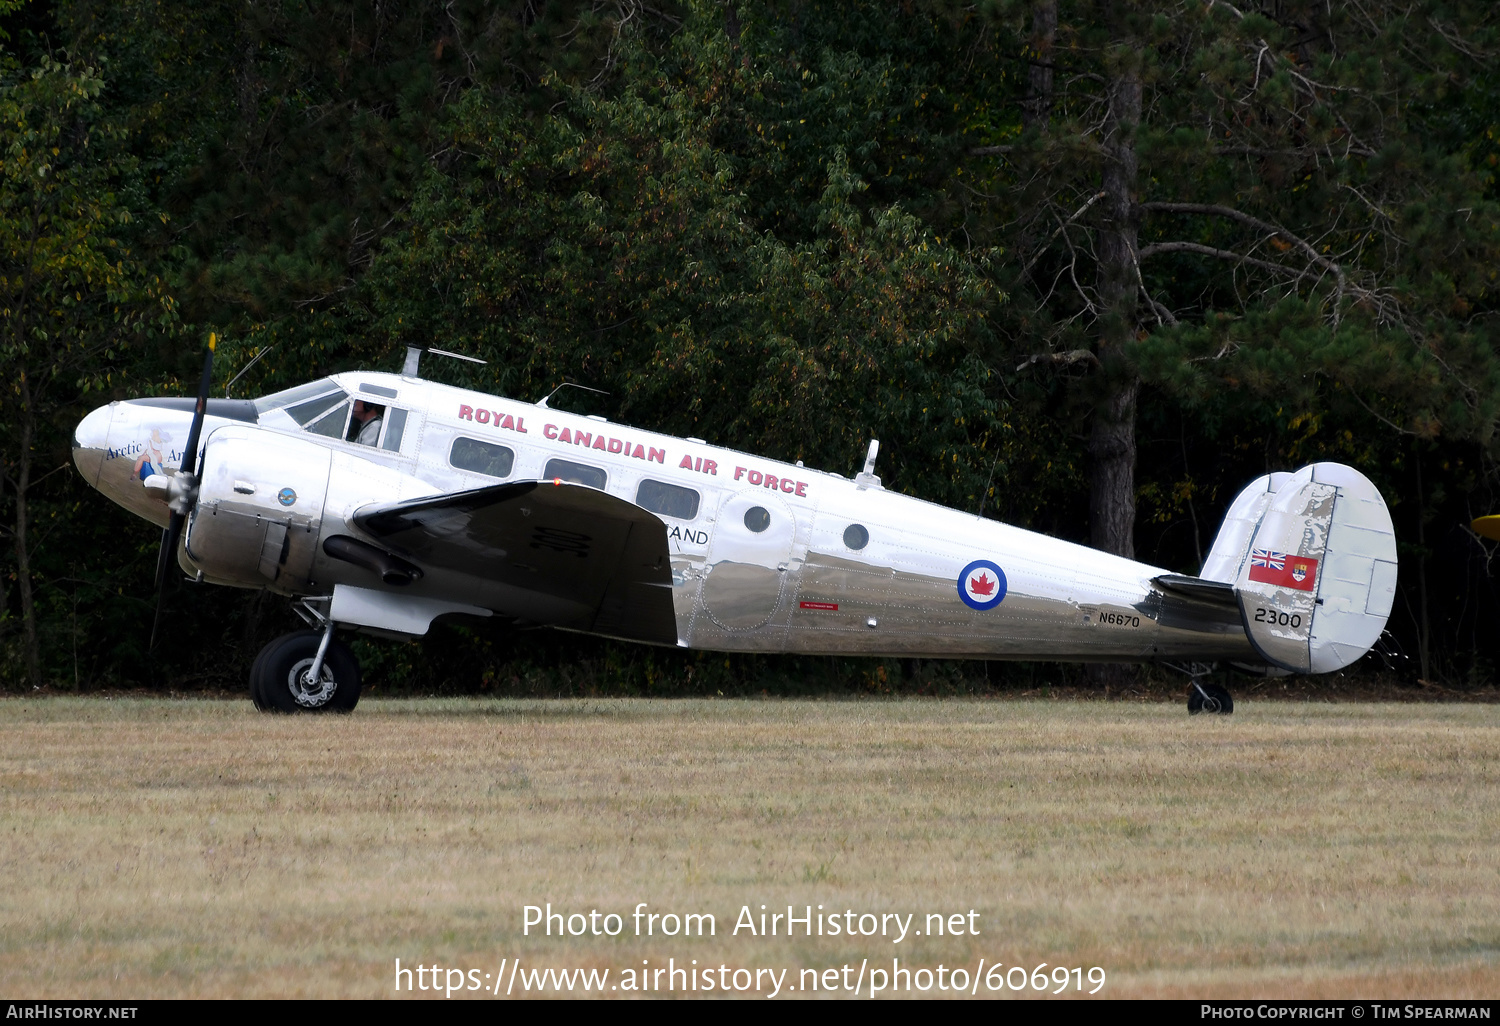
x=1284 y=571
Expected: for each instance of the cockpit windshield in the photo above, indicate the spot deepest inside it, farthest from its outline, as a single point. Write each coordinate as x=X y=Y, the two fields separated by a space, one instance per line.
x=321 y=407
x=295 y=397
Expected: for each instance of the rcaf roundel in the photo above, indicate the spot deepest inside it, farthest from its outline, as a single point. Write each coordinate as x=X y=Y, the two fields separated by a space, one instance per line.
x=982 y=585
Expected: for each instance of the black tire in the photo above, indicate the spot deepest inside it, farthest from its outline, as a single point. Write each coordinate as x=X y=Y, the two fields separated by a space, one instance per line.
x=257 y=677
x=257 y=691
x=1217 y=701
x=281 y=680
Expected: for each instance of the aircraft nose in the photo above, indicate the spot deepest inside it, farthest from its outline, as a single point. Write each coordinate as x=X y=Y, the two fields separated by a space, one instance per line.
x=93 y=431
x=90 y=443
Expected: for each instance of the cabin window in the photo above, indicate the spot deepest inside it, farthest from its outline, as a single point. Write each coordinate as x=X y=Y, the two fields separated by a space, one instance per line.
x=668 y=500
x=757 y=518
x=395 y=427
x=481 y=457
x=578 y=473
x=856 y=537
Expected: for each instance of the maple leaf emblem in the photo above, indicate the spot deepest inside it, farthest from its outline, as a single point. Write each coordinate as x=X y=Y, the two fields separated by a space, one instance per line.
x=982 y=585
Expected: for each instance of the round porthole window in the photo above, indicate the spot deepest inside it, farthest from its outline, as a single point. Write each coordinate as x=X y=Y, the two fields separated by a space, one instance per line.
x=757 y=518
x=856 y=537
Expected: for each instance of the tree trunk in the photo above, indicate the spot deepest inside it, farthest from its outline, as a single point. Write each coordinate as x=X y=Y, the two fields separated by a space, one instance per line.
x=1037 y=107
x=23 y=556
x=1112 y=469
x=1112 y=440
x=1112 y=437
x=4 y=609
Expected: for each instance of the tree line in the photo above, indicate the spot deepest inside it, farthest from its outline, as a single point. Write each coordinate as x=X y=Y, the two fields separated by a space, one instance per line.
x=1086 y=267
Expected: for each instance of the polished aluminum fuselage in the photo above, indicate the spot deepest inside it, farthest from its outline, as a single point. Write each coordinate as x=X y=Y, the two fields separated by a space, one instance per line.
x=796 y=586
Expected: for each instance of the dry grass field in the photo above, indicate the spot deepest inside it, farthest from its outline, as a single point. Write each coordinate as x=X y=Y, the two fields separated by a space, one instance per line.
x=194 y=848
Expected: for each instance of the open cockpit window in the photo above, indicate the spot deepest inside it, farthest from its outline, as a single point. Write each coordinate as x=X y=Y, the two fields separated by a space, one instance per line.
x=367 y=423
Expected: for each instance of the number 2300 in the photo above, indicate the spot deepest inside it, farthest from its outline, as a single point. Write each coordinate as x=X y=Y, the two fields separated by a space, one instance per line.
x=1278 y=618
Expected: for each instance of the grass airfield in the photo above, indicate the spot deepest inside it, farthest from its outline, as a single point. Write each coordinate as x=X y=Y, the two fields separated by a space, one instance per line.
x=158 y=848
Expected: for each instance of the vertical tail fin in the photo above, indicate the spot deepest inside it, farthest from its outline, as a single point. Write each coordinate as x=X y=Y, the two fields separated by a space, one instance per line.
x=1312 y=557
x=1231 y=545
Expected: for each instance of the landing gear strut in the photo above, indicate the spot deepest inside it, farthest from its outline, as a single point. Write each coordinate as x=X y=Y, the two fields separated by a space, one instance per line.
x=306 y=671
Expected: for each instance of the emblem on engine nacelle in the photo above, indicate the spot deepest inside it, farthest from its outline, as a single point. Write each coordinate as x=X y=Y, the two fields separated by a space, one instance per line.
x=286 y=496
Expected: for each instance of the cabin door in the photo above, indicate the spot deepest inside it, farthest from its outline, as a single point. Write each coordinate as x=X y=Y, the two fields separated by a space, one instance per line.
x=748 y=559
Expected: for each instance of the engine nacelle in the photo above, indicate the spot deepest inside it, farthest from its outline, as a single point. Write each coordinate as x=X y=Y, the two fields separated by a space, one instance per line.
x=260 y=510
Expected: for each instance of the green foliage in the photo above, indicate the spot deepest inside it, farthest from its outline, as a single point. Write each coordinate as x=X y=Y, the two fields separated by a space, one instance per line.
x=608 y=242
x=76 y=302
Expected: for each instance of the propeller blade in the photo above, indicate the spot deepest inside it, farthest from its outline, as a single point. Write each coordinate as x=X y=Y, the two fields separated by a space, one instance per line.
x=172 y=535
x=190 y=454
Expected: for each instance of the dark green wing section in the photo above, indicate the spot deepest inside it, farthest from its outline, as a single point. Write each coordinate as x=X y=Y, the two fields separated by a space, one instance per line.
x=604 y=558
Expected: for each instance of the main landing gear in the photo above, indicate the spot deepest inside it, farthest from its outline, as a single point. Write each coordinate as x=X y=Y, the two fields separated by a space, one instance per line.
x=306 y=671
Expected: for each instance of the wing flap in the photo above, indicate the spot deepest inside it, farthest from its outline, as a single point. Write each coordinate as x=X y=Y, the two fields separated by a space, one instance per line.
x=603 y=557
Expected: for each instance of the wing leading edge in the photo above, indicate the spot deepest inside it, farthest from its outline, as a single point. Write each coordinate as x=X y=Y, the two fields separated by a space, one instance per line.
x=553 y=539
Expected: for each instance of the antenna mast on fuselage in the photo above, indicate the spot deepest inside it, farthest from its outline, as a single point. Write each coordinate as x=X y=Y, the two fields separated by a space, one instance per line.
x=414 y=356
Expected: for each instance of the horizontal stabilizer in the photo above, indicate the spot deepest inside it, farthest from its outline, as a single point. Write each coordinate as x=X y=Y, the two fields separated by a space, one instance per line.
x=1217 y=592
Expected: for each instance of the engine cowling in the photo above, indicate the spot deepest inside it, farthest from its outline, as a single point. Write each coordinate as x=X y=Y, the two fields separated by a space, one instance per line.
x=259 y=511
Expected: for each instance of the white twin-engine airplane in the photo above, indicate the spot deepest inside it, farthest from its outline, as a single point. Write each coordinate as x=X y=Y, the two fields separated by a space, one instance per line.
x=380 y=502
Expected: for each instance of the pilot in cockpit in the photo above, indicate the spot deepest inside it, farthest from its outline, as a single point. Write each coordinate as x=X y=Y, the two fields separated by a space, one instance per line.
x=364 y=426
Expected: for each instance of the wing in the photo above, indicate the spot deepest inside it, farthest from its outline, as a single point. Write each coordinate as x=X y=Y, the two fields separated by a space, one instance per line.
x=555 y=539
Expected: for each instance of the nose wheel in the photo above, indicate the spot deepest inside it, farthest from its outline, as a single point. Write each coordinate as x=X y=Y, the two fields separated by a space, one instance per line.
x=1209 y=698
x=305 y=671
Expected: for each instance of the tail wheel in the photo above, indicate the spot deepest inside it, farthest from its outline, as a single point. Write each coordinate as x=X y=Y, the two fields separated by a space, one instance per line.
x=1209 y=698
x=282 y=679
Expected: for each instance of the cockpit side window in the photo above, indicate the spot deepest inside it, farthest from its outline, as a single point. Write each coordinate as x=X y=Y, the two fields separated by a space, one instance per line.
x=305 y=413
x=395 y=426
x=332 y=423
